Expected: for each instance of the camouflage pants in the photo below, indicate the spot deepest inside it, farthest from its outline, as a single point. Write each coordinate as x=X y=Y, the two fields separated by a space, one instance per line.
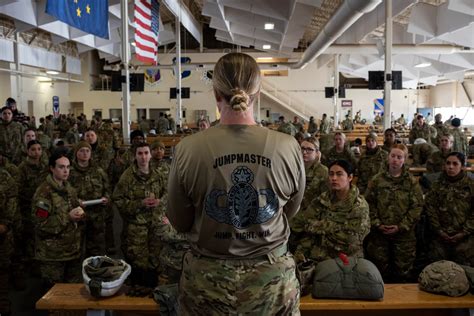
x=95 y=233
x=461 y=253
x=210 y=286
x=141 y=246
x=61 y=271
x=394 y=257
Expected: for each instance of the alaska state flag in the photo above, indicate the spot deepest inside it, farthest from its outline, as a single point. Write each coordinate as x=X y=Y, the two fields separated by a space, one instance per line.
x=90 y=16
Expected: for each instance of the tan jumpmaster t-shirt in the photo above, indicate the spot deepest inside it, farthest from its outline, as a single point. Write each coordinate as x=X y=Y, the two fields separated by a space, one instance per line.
x=233 y=189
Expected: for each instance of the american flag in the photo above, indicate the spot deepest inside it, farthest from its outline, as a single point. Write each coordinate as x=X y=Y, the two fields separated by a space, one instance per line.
x=146 y=30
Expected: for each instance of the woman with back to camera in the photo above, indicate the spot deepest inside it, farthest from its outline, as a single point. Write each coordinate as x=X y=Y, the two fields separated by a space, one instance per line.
x=395 y=201
x=450 y=209
x=335 y=221
x=233 y=188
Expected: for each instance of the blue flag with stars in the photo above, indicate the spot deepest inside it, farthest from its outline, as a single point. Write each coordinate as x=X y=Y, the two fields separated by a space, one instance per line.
x=90 y=16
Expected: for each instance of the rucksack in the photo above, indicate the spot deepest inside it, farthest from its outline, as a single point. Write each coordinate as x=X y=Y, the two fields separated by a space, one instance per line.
x=347 y=278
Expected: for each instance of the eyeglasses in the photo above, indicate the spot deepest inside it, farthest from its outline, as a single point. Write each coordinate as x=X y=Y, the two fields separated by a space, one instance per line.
x=307 y=149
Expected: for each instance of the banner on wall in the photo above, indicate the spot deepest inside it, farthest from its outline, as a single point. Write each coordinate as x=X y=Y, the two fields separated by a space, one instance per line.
x=56 y=106
x=186 y=73
x=378 y=106
x=152 y=77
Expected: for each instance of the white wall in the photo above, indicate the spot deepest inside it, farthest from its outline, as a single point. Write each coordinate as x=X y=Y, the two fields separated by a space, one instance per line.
x=452 y=94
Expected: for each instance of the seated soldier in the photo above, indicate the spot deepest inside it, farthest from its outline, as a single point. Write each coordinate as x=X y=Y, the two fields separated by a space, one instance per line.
x=340 y=151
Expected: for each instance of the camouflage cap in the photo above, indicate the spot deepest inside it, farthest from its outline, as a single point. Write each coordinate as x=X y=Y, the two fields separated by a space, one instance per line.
x=444 y=277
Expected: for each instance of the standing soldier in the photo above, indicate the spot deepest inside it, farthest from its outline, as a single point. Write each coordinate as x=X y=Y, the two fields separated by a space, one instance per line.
x=137 y=196
x=8 y=206
x=101 y=153
x=58 y=221
x=32 y=172
x=234 y=201
x=91 y=183
x=287 y=127
x=441 y=129
x=324 y=125
x=72 y=135
x=162 y=124
x=389 y=139
x=436 y=161
x=372 y=162
x=11 y=134
x=312 y=126
x=420 y=130
x=459 y=139
x=347 y=124
x=395 y=201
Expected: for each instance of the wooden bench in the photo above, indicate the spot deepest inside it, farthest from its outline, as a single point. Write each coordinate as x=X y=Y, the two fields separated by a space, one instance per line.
x=74 y=297
x=398 y=297
x=421 y=170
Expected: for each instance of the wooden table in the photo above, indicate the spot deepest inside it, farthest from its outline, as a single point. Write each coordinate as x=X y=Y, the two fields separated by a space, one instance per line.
x=397 y=297
x=74 y=297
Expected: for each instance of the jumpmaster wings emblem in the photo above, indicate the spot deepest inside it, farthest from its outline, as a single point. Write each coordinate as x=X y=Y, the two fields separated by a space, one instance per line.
x=242 y=204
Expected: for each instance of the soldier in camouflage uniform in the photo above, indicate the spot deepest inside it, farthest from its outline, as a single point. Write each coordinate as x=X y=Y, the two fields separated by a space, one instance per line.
x=390 y=136
x=340 y=151
x=370 y=163
x=437 y=159
x=58 y=221
x=316 y=172
x=162 y=124
x=158 y=160
x=287 y=127
x=347 y=124
x=421 y=151
x=136 y=137
x=72 y=135
x=91 y=183
x=420 y=130
x=101 y=153
x=441 y=129
x=107 y=135
x=298 y=125
x=312 y=126
x=11 y=134
x=396 y=201
x=450 y=209
x=32 y=172
x=22 y=152
x=8 y=206
x=459 y=138
x=336 y=221
x=324 y=125
x=137 y=196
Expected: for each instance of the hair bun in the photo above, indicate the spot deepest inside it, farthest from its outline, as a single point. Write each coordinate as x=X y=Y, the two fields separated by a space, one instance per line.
x=240 y=100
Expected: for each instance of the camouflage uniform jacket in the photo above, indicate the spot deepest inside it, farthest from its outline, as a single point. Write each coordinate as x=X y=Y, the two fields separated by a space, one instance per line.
x=29 y=179
x=441 y=130
x=108 y=137
x=72 y=136
x=324 y=127
x=460 y=141
x=312 y=127
x=394 y=201
x=346 y=154
x=161 y=166
x=371 y=163
x=316 y=183
x=420 y=132
x=329 y=226
x=347 y=124
x=102 y=155
x=162 y=125
x=10 y=138
x=288 y=128
x=91 y=183
x=140 y=240
x=386 y=147
x=57 y=237
x=449 y=205
x=8 y=199
x=435 y=162
x=21 y=155
x=421 y=153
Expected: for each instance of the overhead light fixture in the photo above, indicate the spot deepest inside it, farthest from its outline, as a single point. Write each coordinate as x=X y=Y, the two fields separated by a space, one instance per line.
x=423 y=65
x=264 y=58
x=269 y=26
x=267 y=46
x=134 y=44
x=52 y=72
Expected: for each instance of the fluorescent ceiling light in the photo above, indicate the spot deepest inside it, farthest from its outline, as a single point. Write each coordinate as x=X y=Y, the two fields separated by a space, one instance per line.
x=52 y=72
x=269 y=26
x=267 y=46
x=134 y=44
x=264 y=58
x=423 y=65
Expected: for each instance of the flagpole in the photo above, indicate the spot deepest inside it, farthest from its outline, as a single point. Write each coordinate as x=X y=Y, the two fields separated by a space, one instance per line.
x=125 y=74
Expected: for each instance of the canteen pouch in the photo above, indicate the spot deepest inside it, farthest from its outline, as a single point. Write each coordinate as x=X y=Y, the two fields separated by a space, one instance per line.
x=348 y=278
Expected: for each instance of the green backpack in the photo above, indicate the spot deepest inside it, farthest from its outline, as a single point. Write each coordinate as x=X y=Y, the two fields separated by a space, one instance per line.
x=347 y=278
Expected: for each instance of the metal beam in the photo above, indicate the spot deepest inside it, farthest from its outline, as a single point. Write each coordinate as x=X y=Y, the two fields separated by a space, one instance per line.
x=186 y=17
